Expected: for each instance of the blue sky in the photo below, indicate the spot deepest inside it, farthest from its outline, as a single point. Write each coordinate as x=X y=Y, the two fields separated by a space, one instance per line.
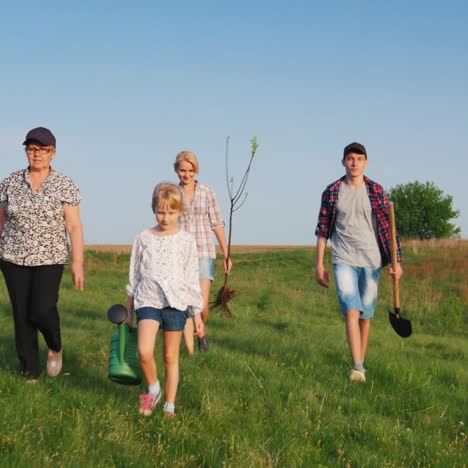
x=126 y=86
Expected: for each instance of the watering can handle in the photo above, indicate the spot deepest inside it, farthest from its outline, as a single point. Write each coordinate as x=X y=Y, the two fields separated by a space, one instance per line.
x=396 y=287
x=122 y=341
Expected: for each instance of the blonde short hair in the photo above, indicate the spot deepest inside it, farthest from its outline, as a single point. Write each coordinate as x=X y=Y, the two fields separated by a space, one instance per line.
x=167 y=194
x=189 y=157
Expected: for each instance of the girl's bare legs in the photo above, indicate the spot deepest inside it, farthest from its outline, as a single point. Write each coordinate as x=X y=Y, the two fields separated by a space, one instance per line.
x=147 y=331
x=188 y=336
x=171 y=362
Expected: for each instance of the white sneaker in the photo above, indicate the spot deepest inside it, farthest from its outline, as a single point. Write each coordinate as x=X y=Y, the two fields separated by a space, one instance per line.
x=356 y=376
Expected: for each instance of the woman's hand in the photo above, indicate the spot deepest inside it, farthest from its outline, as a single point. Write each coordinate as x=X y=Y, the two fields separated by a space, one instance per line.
x=78 y=277
x=199 y=325
x=227 y=265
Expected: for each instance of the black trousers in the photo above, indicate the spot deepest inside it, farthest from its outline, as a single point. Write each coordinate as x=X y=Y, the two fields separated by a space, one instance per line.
x=34 y=295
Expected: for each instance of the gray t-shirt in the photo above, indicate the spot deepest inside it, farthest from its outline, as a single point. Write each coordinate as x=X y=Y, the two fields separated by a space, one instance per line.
x=354 y=239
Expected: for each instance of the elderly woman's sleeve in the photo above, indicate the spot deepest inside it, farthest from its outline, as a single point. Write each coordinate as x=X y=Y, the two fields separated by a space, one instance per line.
x=134 y=268
x=70 y=193
x=3 y=192
x=195 y=305
x=214 y=212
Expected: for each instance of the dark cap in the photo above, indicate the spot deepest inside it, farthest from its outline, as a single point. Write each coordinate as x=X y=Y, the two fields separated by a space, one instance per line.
x=41 y=135
x=354 y=148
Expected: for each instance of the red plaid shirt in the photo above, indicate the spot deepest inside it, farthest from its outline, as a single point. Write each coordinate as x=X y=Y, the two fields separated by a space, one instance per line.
x=380 y=207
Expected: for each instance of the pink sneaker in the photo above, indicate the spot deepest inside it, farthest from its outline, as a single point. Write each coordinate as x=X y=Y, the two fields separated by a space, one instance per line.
x=148 y=402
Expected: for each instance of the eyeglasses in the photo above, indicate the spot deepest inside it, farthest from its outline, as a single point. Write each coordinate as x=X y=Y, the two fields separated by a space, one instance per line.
x=42 y=150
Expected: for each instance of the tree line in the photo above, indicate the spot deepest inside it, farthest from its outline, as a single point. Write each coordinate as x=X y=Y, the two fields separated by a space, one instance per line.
x=423 y=211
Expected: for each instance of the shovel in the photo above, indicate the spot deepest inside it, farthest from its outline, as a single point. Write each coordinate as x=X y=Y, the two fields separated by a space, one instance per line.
x=401 y=325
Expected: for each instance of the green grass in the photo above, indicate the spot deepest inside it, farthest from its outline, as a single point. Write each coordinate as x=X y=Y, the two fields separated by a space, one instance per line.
x=272 y=390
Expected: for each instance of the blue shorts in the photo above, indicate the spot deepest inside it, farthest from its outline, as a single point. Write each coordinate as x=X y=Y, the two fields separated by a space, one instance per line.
x=169 y=319
x=206 y=266
x=357 y=288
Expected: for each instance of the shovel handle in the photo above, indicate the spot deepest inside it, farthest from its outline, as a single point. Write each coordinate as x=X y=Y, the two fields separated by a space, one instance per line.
x=396 y=287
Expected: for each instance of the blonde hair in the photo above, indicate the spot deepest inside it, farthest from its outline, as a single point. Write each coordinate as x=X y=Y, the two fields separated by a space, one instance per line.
x=167 y=194
x=189 y=157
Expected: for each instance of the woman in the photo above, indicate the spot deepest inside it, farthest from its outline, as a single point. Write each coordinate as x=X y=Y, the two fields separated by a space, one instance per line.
x=38 y=207
x=202 y=215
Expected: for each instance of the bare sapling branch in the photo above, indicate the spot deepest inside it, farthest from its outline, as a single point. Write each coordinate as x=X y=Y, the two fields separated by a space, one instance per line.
x=237 y=199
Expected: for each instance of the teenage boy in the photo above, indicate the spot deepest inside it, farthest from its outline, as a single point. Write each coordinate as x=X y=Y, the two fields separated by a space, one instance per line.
x=354 y=214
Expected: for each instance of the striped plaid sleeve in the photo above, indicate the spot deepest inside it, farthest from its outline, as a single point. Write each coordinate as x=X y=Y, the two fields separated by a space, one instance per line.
x=322 y=229
x=214 y=212
x=384 y=230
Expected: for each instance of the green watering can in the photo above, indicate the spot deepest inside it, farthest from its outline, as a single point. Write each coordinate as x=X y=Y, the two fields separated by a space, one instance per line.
x=124 y=366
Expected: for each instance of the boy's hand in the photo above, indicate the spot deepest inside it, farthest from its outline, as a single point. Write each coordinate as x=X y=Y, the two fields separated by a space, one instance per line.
x=397 y=273
x=199 y=325
x=321 y=276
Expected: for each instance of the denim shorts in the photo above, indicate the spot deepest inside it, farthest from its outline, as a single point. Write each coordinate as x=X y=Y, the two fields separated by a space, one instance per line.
x=206 y=266
x=357 y=288
x=169 y=319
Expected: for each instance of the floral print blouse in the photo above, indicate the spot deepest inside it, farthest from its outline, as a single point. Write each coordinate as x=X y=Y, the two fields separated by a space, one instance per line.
x=34 y=231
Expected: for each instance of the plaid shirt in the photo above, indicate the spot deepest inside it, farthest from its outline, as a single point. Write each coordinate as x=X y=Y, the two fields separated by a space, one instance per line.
x=201 y=216
x=380 y=207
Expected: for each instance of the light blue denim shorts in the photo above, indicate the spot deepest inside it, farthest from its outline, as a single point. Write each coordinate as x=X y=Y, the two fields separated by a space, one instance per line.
x=357 y=288
x=206 y=266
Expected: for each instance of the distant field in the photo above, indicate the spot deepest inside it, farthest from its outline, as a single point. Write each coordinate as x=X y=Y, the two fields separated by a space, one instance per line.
x=234 y=249
x=272 y=390
x=445 y=243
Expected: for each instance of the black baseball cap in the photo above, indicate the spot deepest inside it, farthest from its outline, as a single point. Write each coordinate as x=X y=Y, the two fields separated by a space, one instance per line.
x=40 y=135
x=354 y=148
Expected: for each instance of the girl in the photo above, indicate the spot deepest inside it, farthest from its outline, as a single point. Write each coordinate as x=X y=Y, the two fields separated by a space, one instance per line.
x=163 y=289
x=202 y=215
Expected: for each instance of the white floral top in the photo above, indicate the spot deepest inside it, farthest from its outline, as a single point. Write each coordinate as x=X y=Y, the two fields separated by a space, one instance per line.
x=34 y=231
x=164 y=272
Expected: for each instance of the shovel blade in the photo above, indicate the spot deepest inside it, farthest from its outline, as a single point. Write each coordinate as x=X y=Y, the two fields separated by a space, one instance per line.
x=401 y=325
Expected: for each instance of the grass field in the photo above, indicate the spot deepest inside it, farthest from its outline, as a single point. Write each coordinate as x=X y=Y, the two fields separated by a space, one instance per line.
x=272 y=390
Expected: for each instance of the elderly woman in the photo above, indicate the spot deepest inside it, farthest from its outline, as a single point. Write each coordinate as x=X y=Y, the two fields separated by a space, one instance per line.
x=38 y=207
x=202 y=216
